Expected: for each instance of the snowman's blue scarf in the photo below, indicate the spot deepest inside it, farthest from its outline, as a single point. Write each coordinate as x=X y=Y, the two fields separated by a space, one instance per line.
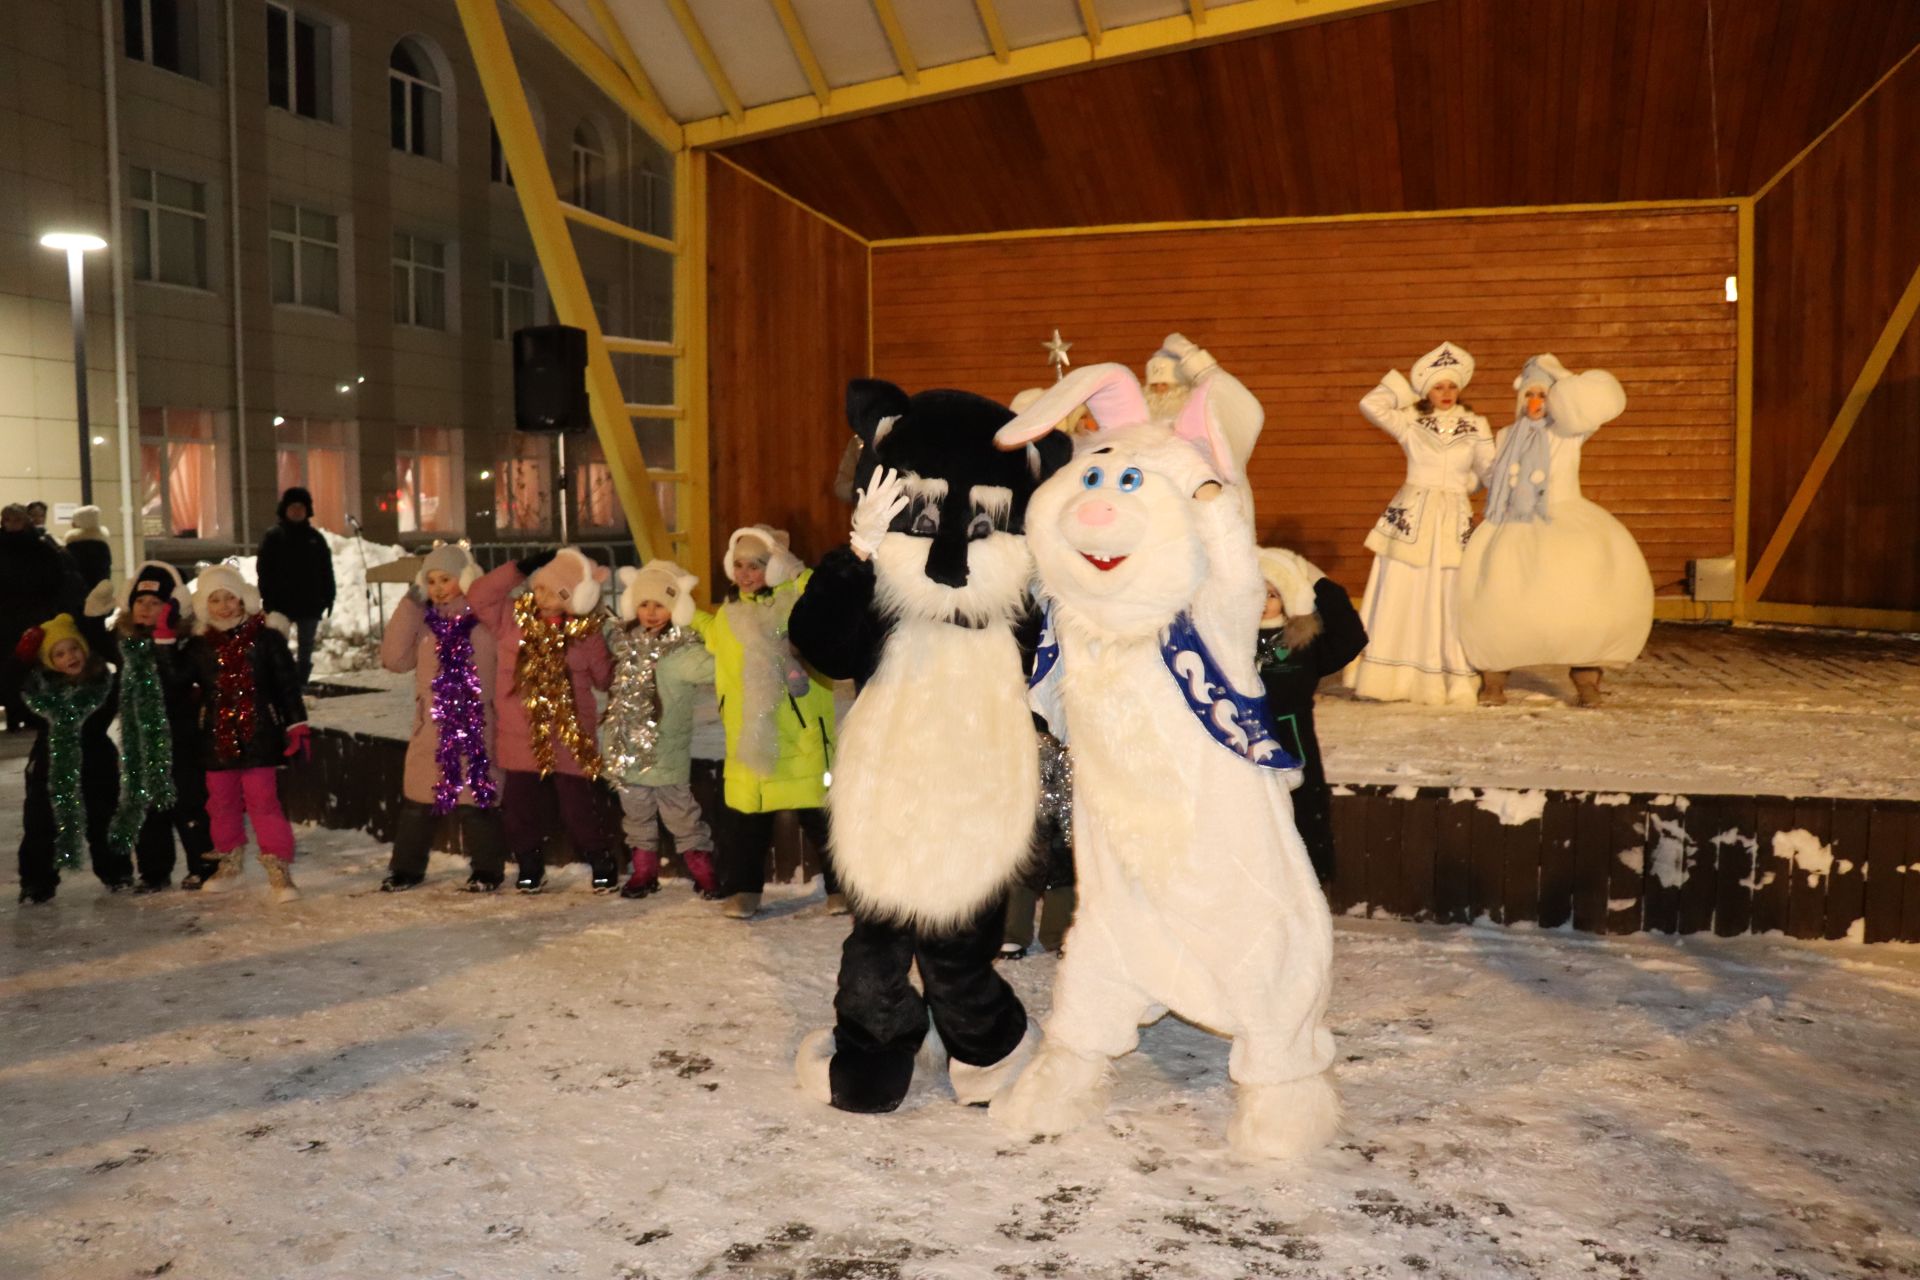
x=1237 y=721
x=1512 y=494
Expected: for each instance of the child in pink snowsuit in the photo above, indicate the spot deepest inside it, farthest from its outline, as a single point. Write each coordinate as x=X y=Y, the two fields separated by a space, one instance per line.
x=252 y=720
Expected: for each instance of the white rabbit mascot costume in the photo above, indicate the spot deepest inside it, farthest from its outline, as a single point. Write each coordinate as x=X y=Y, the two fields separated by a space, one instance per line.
x=1196 y=892
x=1549 y=578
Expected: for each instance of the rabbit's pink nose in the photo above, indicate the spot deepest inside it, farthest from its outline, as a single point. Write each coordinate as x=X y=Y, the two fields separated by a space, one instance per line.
x=1097 y=513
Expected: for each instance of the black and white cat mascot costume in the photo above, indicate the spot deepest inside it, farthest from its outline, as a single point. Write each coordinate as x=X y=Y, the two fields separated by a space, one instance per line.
x=936 y=780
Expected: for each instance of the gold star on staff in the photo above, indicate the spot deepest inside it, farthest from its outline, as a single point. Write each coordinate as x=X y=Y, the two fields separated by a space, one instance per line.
x=1057 y=355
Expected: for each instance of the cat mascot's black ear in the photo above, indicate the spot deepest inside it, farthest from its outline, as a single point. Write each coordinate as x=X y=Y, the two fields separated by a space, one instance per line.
x=872 y=404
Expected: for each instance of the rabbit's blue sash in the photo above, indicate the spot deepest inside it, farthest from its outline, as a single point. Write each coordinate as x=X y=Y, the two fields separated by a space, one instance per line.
x=1236 y=720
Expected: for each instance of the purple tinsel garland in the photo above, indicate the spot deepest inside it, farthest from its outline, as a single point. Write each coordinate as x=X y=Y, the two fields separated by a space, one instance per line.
x=461 y=712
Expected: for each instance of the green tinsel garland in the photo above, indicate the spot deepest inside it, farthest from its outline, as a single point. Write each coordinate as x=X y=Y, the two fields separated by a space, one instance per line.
x=65 y=705
x=146 y=743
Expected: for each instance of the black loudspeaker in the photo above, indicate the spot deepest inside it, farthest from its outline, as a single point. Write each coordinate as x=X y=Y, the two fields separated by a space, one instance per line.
x=550 y=379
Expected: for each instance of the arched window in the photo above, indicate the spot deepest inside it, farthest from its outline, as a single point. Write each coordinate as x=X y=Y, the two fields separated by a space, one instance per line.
x=413 y=99
x=589 y=169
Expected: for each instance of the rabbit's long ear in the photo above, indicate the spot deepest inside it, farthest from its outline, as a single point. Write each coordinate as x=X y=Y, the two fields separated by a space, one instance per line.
x=1197 y=423
x=1110 y=392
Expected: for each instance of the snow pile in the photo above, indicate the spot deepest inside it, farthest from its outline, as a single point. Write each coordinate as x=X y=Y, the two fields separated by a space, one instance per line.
x=349 y=637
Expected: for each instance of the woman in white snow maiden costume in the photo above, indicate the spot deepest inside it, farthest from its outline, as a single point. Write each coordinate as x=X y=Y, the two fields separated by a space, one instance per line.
x=1413 y=649
x=937 y=783
x=1196 y=892
x=1549 y=578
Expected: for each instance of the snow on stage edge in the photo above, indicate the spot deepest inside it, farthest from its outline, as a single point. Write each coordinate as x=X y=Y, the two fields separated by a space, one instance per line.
x=437 y=1085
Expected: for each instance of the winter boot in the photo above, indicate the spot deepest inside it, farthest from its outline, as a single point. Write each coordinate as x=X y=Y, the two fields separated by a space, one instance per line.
x=480 y=884
x=36 y=896
x=1493 y=688
x=280 y=878
x=399 y=883
x=606 y=874
x=152 y=886
x=646 y=875
x=699 y=865
x=1586 y=681
x=533 y=874
x=741 y=906
x=226 y=873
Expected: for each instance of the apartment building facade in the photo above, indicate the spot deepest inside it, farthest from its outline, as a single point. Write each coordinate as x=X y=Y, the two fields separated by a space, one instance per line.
x=320 y=257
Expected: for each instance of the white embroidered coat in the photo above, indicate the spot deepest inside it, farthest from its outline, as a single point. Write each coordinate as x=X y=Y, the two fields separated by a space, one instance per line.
x=1448 y=453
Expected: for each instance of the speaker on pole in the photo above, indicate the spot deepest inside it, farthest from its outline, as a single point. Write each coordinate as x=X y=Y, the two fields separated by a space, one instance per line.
x=550 y=379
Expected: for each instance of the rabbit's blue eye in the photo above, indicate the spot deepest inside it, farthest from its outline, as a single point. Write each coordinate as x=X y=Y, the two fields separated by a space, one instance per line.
x=1131 y=479
x=1093 y=477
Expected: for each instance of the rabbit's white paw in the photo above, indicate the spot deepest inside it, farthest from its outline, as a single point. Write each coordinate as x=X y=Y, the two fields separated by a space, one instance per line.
x=1059 y=1091
x=1284 y=1121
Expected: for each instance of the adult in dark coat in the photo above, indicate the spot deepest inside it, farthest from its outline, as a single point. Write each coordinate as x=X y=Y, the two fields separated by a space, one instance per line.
x=296 y=573
x=1309 y=632
x=36 y=582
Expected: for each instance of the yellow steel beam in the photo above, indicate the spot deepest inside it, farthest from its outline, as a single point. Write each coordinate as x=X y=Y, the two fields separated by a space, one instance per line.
x=802 y=50
x=1802 y=501
x=690 y=371
x=1091 y=21
x=1743 y=410
x=1197 y=10
x=640 y=346
x=988 y=71
x=996 y=37
x=623 y=52
x=586 y=54
x=600 y=222
x=1821 y=137
x=664 y=412
x=709 y=61
x=559 y=262
x=897 y=38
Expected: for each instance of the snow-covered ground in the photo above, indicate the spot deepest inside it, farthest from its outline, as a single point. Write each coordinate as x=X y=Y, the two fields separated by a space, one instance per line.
x=435 y=1085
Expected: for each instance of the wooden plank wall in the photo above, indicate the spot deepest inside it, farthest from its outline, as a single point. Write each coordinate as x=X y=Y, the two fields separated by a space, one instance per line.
x=1310 y=316
x=786 y=331
x=1835 y=244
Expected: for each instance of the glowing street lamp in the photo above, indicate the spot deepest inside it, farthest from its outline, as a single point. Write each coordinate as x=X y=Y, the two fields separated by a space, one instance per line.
x=76 y=245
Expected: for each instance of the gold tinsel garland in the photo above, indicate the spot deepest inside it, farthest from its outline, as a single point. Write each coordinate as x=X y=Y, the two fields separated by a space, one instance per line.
x=546 y=686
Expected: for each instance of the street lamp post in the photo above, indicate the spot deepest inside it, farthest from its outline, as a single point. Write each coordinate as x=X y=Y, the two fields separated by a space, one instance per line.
x=76 y=245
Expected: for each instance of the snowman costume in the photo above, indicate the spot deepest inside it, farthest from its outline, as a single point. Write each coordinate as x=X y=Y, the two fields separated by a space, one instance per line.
x=1410 y=609
x=1549 y=578
x=1196 y=892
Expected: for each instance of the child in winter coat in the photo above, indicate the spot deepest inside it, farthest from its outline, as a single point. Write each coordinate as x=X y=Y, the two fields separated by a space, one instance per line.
x=450 y=768
x=1308 y=630
x=552 y=657
x=73 y=772
x=660 y=662
x=778 y=718
x=163 y=789
x=252 y=720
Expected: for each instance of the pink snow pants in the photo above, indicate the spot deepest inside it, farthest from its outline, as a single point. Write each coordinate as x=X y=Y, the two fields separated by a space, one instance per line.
x=235 y=795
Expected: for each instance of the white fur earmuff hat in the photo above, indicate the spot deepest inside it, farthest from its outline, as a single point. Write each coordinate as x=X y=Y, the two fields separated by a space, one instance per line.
x=782 y=564
x=86 y=526
x=1293 y=576
x=1445 y=361
x=222 y=577
x=451 y=558
x=661 y=581
x=576 y=574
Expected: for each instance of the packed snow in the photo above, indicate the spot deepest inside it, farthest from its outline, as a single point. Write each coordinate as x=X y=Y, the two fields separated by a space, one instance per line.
x=438 y=1085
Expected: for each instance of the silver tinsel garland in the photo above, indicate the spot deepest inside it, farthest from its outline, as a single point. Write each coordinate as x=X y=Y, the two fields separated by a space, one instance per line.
x=631 y=741
x=1056 y=785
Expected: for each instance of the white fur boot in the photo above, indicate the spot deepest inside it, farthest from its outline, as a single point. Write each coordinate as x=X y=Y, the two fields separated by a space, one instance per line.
x=812 y=1064
x=1060 y=1090
x=977 y=1086
x=1284 y=1121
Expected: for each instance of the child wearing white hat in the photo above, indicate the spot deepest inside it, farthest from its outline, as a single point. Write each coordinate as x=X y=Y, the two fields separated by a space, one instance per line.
x=1411 y=617
x=661 y=665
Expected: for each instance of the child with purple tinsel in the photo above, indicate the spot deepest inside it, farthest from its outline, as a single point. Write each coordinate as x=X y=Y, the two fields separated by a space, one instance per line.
x=436 y=635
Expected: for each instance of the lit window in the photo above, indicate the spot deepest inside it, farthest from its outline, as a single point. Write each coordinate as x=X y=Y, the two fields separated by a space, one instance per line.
x=427 y=497
x=299 y=63
x=164 y=33
x=169 y=229
x=512 y=297
x=589 y=170
x=596 y=502
x=413 y=100
x=324 y=459
x=303 y=256
x=522 y=487
x=180 y=467
x=419 y=281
